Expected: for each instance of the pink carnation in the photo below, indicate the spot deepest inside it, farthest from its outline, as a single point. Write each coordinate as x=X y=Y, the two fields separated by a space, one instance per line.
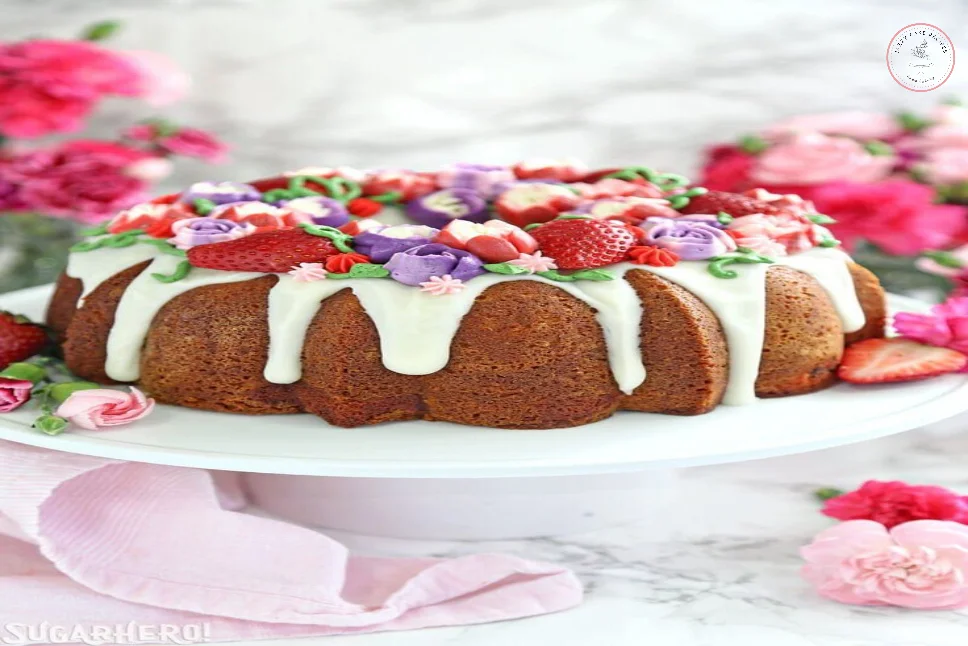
x=187 y=142
x=50 y=86
x=856 y=124
x=161 y=81
x=814 y=158
x=14 y=393
x=945 y=165
x=946 y=326
x=102 y=408
x=899 y=216
x=893 y=503
x=921 y=564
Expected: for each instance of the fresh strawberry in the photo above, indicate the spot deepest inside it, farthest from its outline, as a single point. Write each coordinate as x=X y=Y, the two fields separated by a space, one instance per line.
x=270 y=252
x=579 y=243
x=734 y=204
x=19 y=338
x=878 y=361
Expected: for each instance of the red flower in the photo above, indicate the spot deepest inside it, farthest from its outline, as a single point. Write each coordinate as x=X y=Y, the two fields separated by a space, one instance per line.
x=363 y=207
x=653 y=256
x=893 y=503
x=899 y=216
x=409 y=184
x=343 y=262
x=728 y=169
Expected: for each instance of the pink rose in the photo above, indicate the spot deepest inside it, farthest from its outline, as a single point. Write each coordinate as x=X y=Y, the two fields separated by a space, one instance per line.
x=945 y=165
x=728 y=169
x=162 y=82
x=101 y=408
x=856 y=124
x=816 y=159
x=775 y=235
x=51 y=86
x=893 y=503
x=899 y=216
x=921 y=564
x=14 y=393
x=946 y=325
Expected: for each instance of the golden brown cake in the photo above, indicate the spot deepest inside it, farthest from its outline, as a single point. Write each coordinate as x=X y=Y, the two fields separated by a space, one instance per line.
x=283 y=301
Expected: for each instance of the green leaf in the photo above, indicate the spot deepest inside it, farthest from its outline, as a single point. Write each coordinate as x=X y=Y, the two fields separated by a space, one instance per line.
x=912 y=122
x=829 y=242
x=533 y=225
x=368 y=270
x=820 y=218
x=50 y=424
x=390 y=197
x=943 y=258
x=163 y=128
x=724 y=218
x=879 y=148
x=717 y=265
x=60 y=392
x=164 y=247
x=505 y=268
x=180 y=272
x=340 y=240
x=24 y=371
x=203 y=206
x=826 y=493
x=99 y=230
x=553 y=274
x=574 y=216
x=678 y=202
x=592 y=274
x=753 y=144
x=101 y=30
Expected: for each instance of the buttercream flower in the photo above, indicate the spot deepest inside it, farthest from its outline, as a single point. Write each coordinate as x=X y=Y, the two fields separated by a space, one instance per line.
x=259 y=214
x=493 y=241
x=653 y=256
x=14 y=393
x=791 y=233
x=727 y=168
x=560 y=170
x=945 y=165
x=102 y=408
x=855 y=124
x=922 y=564
x=341 y=263
x=790 y=202
x=893 y=503
x=308 y=272
x=534 y=202
x=346 y=172
x=630 y=210
x=356 y=227
x=221 y=192
x=442 y=285
x=483 y=179
x=534 y=263
x=154 y=219
x=614 y=187
x=382 y=243
x=815 y=159
x=409 y=184
x=945 y=326
x=688 y=240
x=419 y=264
x=442 y=207
x=322 y=210
x=198 y=231
x=899 y=216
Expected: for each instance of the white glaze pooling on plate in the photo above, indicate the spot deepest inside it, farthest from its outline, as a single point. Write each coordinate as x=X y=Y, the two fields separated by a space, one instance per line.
x=94 y=267
x=417 y=329
x=140 y=303
x=829 y=267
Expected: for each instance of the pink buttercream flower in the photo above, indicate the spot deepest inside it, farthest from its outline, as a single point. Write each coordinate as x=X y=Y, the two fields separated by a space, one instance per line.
x=899 y=216
x=308 y=272
x=815 y=159
x=154 y=219
x=921 y=564
x=443 y=285
x=161 y=82
x=893 y=503
x=51 y=86
x=946 y=325
x=14 y=393
x=945 y=165
x=101 y=408
x=790 y=202
x=534 y=262
x=777 y=235
x=856 y=124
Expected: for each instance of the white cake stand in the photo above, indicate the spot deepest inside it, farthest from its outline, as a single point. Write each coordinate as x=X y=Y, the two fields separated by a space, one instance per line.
x=386 y=479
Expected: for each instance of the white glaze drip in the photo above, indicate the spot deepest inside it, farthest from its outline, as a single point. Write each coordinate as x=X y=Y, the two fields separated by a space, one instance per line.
x=829 y=267
x=416 y=329
x=143 y=299
x=94 y=267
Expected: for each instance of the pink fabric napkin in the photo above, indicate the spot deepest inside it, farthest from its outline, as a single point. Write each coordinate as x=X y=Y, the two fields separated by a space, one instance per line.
x=87 y=541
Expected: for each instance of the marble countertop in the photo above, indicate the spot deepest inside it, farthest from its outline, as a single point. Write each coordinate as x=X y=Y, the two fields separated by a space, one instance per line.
x=722 y=569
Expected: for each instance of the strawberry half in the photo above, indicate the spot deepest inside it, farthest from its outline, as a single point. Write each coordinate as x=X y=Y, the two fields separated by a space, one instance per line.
x=881 y=361
x=734 y=204
x=19 y=339
x=269 y=252
x=584 y=243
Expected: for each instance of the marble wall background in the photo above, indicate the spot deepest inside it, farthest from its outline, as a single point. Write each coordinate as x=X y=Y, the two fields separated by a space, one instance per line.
x=423 y=82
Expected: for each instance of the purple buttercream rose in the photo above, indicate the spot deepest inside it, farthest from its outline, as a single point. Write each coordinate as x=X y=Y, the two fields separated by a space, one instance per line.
x=381 y=245
x=193 y=232
x=689 y=239
x=481 y=178
x=711 y=220
x=418 y=264
x=323 y=210
x=441 y=208
x=220 y=192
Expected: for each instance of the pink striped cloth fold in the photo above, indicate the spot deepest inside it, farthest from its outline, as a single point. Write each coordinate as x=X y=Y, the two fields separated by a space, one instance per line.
x=87 y=541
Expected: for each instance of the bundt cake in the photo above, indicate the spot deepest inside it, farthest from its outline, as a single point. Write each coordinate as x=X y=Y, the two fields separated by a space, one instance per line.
x=539 y=295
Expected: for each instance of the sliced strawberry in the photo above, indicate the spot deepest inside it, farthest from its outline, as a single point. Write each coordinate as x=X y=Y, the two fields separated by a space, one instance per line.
x=734 y=204
x=579 y=243
x=19 y=338
x=491 y=249
x=879 y=361
x=270 y=252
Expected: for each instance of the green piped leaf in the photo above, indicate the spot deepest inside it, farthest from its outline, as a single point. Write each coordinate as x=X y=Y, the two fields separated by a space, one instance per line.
x=340 y=240
x=743 y=256
x=99 y=230
x=182 y=270
x=820 y=218
x=505 y=268
x=829 y=241
x=724 y=218
x=368 y=270
x=203 y=207
x=753 y=144
x=164 y=247
x=582 y=274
